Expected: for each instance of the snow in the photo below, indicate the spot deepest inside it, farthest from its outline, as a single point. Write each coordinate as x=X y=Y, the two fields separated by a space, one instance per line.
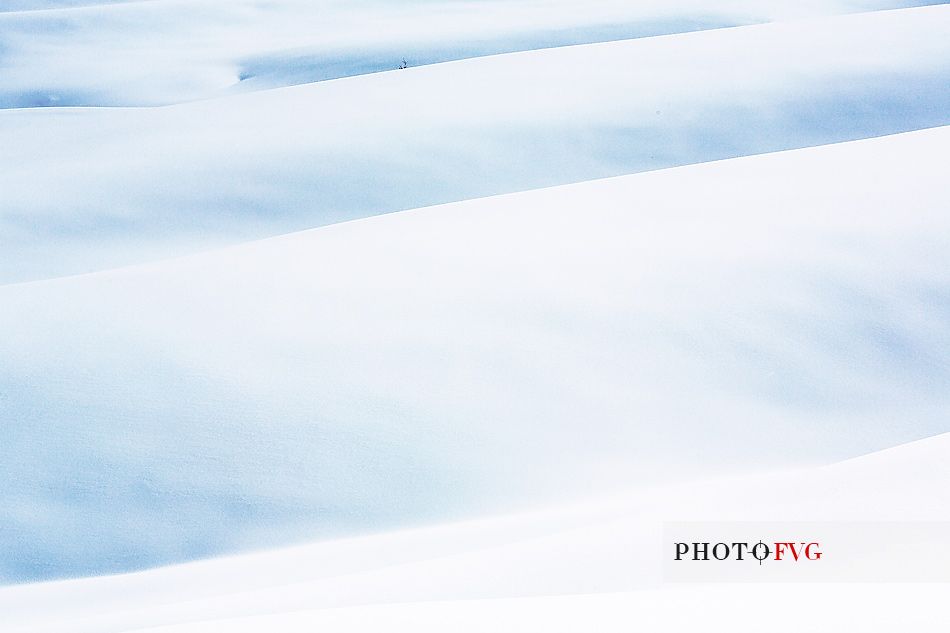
x=590 y=566
x=159 y=182
x=293 y=340
x=88 y=52
x=477 y=357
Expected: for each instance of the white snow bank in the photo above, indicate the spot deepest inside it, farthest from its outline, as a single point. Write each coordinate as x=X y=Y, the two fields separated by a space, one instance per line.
x=491 y=574
x=87 y=189
x=168 y=51
x=492 y=354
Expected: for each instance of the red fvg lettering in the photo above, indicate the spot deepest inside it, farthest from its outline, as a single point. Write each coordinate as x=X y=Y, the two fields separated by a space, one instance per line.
x=797 y=550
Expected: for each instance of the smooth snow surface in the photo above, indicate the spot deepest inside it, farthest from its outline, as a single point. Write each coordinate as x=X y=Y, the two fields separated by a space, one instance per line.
x=86 y=189
x=761 y=312
x=294 y=339
x=157 y=52
x=587 y=567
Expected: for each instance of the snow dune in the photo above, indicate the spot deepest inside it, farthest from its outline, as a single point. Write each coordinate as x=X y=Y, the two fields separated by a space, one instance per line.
x=95 y=53
x=478 y=357
x=86 y=189
x=518 y=572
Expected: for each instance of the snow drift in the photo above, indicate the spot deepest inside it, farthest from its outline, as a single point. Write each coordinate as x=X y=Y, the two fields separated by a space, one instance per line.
x=108 y=53
x=92 y=188
x=487 y=355
x=590 y=566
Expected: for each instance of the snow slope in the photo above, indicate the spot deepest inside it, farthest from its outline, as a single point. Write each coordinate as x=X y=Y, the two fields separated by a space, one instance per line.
x=94 y=53
x=592 y=566
x=482 y=356
x=92 y=188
